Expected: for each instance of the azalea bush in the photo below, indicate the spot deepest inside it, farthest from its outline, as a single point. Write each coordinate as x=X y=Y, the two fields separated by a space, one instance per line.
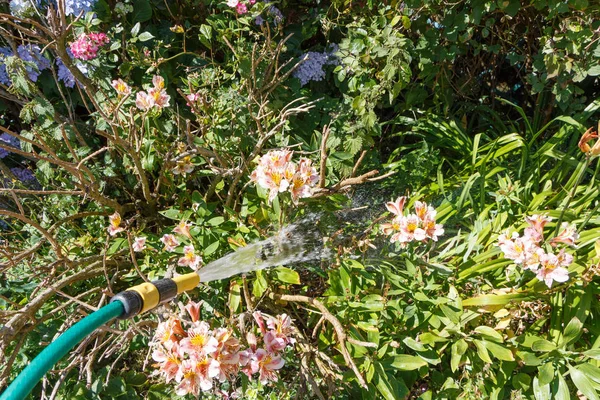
x=430 y=168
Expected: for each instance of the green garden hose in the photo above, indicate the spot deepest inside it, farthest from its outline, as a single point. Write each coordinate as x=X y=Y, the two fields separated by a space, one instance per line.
x=127 y=304
x=31 y=375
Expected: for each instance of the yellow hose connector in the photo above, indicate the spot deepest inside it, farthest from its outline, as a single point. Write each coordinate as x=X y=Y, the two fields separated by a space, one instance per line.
x=150 y=295
x=186 y=282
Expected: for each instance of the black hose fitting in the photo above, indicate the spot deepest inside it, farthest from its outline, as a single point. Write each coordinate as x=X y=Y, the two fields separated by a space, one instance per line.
x=132 y=303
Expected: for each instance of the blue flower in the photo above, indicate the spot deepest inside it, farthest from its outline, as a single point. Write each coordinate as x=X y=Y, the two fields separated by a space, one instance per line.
x=23 y=8
x=23 y=174
x=31 y=54
x=76 y=7
x=4 y=78
x=312 y=67
x=5 y=138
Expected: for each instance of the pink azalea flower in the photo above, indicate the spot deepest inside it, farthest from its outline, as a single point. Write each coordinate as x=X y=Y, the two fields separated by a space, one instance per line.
x=536 y=227
x=144 y=101
x=139 y=244
x=258 y=317
x=273 y=342
x=409 y=229
x=183 y=166
x=514 y=249
x=424 y=212
x=170 y=242
x=282 y=327
x=158 y=82
x=168 y=332
x=551 y=270
x=196 y=377
x=568 y=235
x=160 y=97
x=115 y=222
x=169 y=364
x=193 y=310
x=121 y=87
x=189 y=258
x=199 y=341
x=226 y=365
x=267 y=363
x=533 y=258
x=183 y=228
x=432 y=230
x=396 y=207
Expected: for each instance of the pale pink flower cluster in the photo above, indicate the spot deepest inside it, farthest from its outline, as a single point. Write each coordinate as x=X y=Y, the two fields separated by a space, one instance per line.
x=241 y=7
x=276 y=172
x=419 y=226
x=87 y=45
x=198 y=358
x=155 y=97
x=114 y=226
x=527 y=250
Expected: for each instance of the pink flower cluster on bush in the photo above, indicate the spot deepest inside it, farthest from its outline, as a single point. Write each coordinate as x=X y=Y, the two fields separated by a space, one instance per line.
x=276 y=172
x=241 y=7
x=87 y=45
x=194 y=356
x=420 y=226
x=527 y=250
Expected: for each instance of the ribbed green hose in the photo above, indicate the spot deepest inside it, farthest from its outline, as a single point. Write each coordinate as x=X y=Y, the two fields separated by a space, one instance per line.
x=31 y=375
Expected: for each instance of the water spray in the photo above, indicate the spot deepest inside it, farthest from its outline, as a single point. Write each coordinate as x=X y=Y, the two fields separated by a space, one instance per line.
x=296 y=243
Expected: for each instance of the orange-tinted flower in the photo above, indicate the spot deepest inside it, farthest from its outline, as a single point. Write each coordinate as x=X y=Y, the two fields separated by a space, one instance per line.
x=588 y=136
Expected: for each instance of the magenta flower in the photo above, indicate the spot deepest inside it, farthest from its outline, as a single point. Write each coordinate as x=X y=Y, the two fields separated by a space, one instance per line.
x=86 y=46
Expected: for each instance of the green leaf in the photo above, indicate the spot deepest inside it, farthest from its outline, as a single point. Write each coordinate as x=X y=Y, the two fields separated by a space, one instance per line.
x=572 y=332
x=546 y=373
x=458 y=350
x=142 y=11
x=562 y=390
x=211 y=248
x=287 y=275
x=543 y=346
x=216 y=221
x=390 y=389
x=500 y=352
x=594 y=353
x=405 y=362
x=541 y=392
x=235 y=297
x=482 y=351
x=521 y=381
x=594 y=71
x=583 y=383
x=171 y=213
x=145 y=36
x=135 y=29
x=490 y=333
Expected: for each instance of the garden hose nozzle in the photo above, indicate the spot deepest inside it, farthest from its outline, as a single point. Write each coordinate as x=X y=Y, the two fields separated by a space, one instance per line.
x=148 y=295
